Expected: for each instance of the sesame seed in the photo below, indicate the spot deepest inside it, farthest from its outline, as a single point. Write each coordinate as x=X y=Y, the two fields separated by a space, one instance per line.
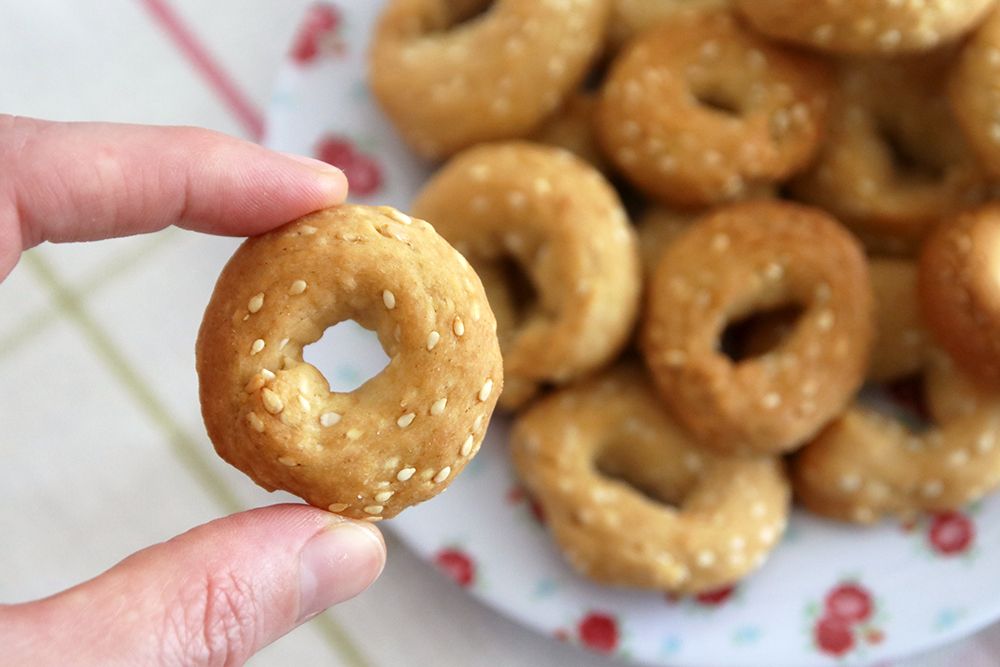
x=516 y=199
x=282 y=343
x=328 y=419
x=484 y=393
x=675 y=357
x=667 y=164
x=737 y=543
x=475 y=311
x=767 y=534
x=353 y=434
x=255 y=422
x=337 y=507
x=432 y=340
x=406 y=420
x=374 y=509
x=774 y=271
x=442 y=474
x=771 y=400
x=705 y=558
x=985 y=442
x=373 y=519
x=272 y=402
x=297 y=287
x=266 y=374
x=720 y=242
x=959 y=457
x=824 y=320
x=287 y=461
x=758 y=509
x=399 y=216
x=823 y=33
x=863 y=514
x=850 y=482
x=255 y=383
x=257 y=346
x=304 y=403
x=467 y=446
x=256 y=302
x=383 y=496
x=458 y=327
x=477 y=422
x=439 y=405
x=932 y=488
x=389 y=299
x=405 y=474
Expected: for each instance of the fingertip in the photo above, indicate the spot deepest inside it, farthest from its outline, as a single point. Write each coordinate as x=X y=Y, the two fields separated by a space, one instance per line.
x=337 y=564
x=332 y=182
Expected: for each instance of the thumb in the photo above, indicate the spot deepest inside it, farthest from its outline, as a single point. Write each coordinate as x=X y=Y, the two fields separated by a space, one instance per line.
x=212 y=596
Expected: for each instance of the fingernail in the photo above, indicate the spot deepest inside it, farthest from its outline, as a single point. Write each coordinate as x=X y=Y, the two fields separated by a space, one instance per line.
x=337 y=564
x=312 y=162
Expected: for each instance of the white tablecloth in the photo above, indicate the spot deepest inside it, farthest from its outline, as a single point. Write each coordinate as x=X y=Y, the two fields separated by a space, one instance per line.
x=104 y=450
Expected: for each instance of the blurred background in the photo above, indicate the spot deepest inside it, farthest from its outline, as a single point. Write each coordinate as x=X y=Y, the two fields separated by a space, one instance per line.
x=105 y=452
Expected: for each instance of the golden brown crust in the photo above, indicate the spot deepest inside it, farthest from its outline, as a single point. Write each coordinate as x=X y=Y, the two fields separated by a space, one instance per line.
x=678 y=149
x=401 y=437
x=448 y=84
x=879 y=27
x=632 y=17
x=572 y=128
x=657 y=229
x=974 y=94
x=557 y=219
x=864 y=465
x=893 y=161
x=960 y=290
x=742 y=259
x=714 y=520
x=901 y=341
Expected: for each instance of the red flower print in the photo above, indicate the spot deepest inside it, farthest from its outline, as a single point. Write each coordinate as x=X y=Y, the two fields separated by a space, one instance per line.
x=321 y=20
x=598 y=632
x=515 y=495
x=833 y=635
x=951 y=533
x=457 y=565
x=849 y=602
x=363 y=173
x=536 y=510
x=716 y=597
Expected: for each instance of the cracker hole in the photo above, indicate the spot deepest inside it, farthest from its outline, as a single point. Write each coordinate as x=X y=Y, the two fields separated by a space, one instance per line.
x=903 y=400
x=759 y=333
x=658 y=485
x=348 y=355
x=719 y=101
x=467 y=11
x=911 y=161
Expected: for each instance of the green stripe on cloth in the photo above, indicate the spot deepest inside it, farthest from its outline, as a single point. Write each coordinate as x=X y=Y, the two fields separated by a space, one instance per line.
x=185 y=447
x=46 y=315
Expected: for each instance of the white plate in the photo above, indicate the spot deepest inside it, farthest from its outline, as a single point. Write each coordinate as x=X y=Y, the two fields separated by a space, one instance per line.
x=915 y=587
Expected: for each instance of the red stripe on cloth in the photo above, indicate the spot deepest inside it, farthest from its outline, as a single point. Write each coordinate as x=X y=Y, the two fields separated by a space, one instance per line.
x=223 y=84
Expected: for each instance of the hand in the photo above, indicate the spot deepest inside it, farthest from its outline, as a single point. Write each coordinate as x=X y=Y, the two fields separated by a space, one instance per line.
x=216 y=594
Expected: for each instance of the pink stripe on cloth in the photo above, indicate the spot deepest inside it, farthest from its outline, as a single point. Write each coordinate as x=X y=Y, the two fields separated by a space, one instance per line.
x=224 y=85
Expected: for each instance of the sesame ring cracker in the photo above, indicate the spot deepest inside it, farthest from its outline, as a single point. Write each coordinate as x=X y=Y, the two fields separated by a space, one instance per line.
x=543 y=214
x=959 y=291
x=698 y=110
x=744 y=259
x=865 y=465
x=866 y=26
x=572 y=128
x=894 y=160
x=446 y=77
x=974 y=94
x=633 y=501
x=405 y=434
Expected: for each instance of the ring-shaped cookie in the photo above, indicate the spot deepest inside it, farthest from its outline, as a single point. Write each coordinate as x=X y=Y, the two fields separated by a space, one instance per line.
x=631 y=17
x=744 y=259
x=878 y=27
x=974 y=95
x=405 y=434
x=960 y=290
x=449 y=81
x=894 y=161
x=698 y=110
x=527 y=213
x=866 y=465
x=633 y=501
